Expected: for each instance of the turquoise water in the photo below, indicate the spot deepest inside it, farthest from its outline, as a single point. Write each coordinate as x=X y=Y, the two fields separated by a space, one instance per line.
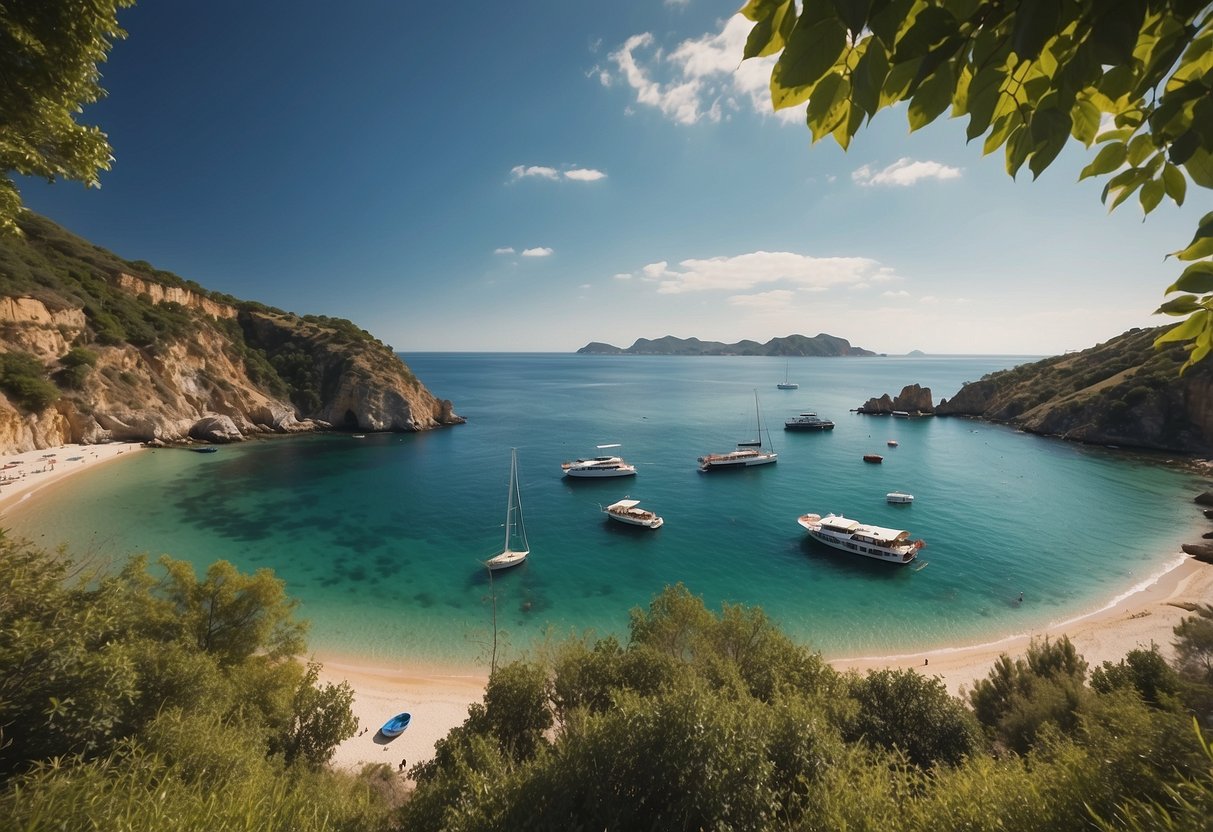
x=381 y=537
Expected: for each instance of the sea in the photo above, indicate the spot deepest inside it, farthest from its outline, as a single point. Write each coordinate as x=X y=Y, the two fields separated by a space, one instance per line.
x=382 y=539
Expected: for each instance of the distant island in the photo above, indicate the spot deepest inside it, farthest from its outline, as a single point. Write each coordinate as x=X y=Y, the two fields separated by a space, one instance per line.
x=792 y=345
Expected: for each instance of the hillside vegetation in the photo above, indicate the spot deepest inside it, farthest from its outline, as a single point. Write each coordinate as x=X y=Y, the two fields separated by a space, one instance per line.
x=155 y=699
x=94 y=347
x=1122 y=392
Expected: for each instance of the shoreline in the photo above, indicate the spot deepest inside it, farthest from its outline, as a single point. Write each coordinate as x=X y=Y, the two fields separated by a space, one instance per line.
x=438 y=695
x=27 y=473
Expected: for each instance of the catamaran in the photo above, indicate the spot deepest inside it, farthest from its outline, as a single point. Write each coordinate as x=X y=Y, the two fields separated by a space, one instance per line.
x=516 y=547
x=749 y=452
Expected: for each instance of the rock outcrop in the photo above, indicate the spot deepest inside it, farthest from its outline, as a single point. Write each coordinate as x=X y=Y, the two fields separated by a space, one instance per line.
x=912 y=399
x=93 y=351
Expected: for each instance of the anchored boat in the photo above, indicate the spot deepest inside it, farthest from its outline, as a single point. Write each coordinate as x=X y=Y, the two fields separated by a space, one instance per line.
x=889 y=545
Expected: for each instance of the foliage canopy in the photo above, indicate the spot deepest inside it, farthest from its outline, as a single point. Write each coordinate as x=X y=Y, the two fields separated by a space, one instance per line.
x=1029 y=75
x=49 y=51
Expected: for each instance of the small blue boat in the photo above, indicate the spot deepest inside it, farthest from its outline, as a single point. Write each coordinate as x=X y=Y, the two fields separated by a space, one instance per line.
x=395 y=726
x=208 y=449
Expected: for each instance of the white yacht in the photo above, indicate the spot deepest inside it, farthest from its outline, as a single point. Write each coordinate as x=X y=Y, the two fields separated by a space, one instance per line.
x=891 y=545
x=899 y=498
x=599 y=466
x=630 y=512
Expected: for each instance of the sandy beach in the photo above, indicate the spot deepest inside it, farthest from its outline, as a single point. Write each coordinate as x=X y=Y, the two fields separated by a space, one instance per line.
x=24 y=475
x=438 y=697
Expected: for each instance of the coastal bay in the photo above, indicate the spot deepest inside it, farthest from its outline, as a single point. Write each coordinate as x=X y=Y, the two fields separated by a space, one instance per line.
x=381 y=537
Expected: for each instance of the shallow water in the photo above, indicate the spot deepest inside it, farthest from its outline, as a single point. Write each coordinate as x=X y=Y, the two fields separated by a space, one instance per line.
x=382 y=537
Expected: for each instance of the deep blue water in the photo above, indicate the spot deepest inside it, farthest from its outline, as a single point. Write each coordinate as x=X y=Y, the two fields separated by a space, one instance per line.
x=382 y=537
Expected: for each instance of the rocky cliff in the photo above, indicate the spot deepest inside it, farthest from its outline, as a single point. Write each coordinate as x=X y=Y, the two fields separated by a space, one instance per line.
x=791 y=345
x=95 y=348
x=1122 y=392
x=912 y=399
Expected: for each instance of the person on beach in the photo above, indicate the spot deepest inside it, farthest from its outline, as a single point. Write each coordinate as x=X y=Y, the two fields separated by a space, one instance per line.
x=403 y=763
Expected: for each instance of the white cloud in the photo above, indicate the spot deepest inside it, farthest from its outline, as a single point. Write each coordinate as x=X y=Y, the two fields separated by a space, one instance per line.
x=585 y=286
x=545 y=172
x=900 y=293
x=584 y=175
x=904 y=172
x=699 y=79
x=761 y=268
x=542 y=251
x=622 y=276
x=504 y=250
x=523 y=171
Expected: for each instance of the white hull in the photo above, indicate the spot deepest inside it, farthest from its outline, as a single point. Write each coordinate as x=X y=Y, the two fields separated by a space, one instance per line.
x=736 y=459
x=506 y=559
x=595 y=473
x=860 y=542
x=630 y=512
x=788 y=385
x=599 y=466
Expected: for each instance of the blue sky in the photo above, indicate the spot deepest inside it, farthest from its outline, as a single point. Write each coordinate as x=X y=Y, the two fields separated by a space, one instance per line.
x=533 y=176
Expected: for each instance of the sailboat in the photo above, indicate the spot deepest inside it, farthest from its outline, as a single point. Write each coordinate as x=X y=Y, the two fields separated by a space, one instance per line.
x=785 y=384
x=516 y=548
x=749 y=452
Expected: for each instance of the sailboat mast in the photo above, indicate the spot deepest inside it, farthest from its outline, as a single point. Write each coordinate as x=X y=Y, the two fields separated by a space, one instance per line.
x=509 y=500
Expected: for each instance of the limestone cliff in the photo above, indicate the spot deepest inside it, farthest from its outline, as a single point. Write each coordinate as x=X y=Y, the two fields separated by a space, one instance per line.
x=95 y=348
x=1122 y=392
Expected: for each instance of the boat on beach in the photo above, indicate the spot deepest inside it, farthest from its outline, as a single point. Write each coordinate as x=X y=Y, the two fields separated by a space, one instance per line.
x=748 y=453
x=599 y=466
x=516 y=547
x=889 y=545
x=395 y=726
x=807 y=421
x=630 y=512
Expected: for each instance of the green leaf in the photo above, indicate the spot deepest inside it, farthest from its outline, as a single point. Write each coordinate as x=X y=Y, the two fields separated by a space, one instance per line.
x=934 y=95
x=1139 y=148
x=887 y=22
x=854 y=13
x=1183 y=305
x=1202 y=241
x=1050 y=130
x=1185 y=331
x=757 y=10
x=809 y=54
x=869 y=75
x=767 y=36
x=1122 y=134
x=1151 y=194
x=1084 y=118
x=1019 y=144
x=1116 y=29
x=897 y=82
x=1200 y=167
x=1036 y=21
x=932 y=26
x=1109 y=158
x=984 y=91
x=1197 y=278
x=1002 y=128
x=829 y=105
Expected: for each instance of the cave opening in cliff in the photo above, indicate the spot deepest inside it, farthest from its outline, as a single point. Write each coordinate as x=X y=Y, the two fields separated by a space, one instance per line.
x=350 y=421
